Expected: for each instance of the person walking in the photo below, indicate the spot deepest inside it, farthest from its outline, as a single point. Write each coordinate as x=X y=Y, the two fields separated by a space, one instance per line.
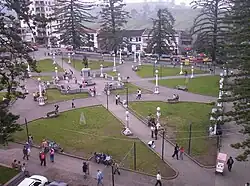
x=152 y=131
x=158 y=179
x=176 y=151
x=99 y=177
x=230 y=163
x=73 y=104
x=84 y=169
x=52 y=155
x=116 y=99
x=156 y=133
x=181 y=153
x=116 y=166
x=138 y=94
x=25 y=152
x=42 y=157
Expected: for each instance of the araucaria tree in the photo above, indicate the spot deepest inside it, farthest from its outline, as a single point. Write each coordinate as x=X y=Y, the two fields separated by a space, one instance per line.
x=72 y=16
x=238 y=57
x=162 y=35
x=113 y=19
x=209 y=25
x=13 y=64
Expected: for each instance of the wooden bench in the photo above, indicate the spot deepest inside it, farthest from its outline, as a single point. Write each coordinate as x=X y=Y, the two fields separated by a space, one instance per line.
x=181 y=87
x=52 y=114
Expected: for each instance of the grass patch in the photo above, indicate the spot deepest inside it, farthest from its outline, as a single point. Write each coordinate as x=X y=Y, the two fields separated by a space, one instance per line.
x=94 y=65
x=6 y=174
x=111 y=73
x=46 y=65
x=43 y=78
x=55 y=95
x=147 y=71
x=176 y=118
x=206 y=85
x=99 y=134
x=132 y=89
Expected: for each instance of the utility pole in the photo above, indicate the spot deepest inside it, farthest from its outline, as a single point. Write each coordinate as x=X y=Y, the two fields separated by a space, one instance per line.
x=190 y=137
x=134 y=155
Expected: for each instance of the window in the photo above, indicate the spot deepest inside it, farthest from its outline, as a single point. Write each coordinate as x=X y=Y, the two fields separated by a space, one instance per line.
x=131 y=39
x=136 y=39
x=139 y=38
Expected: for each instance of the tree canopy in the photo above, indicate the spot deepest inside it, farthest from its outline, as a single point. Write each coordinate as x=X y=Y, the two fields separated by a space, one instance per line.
x=70 y=16
x=162 y=35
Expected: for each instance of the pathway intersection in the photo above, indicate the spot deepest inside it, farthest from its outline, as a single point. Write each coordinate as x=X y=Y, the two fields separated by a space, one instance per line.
x=190 y=174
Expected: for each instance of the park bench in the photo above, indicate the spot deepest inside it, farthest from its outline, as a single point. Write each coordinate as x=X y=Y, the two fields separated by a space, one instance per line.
x=181 y=87
x=173 y=100
x=52 y=114
x=135 y=68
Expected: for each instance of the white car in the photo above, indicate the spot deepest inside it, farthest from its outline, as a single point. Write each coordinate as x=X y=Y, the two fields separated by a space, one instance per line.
x=35 y=180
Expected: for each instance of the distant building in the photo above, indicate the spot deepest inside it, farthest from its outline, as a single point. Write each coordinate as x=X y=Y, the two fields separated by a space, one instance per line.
x=184 y=42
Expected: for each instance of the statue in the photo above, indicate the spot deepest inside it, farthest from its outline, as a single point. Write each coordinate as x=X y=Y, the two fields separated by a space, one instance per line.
x=85 y=62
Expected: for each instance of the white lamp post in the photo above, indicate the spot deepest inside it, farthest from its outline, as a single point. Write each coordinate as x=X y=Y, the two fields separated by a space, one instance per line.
x=56 y=71
x=192 y=72
x=119 y=78
x=127 y=119
x=54 y=58
x=181 y=72
x=101 y=69
x=120 y=56
x=156 y=83
x=139 y=59
x=40 y=98
x=134 y=56
x=28 y=70
x=69 y=58
x=114 y=67
x=158 y=114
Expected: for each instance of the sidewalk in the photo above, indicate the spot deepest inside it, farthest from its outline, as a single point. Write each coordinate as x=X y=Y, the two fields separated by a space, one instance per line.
x=186 y=168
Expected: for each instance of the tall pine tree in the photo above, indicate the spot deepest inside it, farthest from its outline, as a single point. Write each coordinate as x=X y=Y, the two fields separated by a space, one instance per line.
x=162 y=35
x=113 y=19
x=238 y=57
x=209 y=25
x=13 y=63
x=71 y=16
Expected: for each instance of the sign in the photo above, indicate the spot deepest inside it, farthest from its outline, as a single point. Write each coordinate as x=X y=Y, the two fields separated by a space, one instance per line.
x=82 y=119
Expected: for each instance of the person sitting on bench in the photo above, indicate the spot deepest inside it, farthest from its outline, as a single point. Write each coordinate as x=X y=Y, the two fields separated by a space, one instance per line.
x=151 y=144
x=175 y=97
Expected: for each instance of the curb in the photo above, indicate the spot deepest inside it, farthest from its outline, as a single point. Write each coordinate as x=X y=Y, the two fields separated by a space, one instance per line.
x=189 y=156
x=166 y=178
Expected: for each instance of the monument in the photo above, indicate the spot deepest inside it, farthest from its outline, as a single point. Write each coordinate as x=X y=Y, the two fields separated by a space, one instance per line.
x=86 y=78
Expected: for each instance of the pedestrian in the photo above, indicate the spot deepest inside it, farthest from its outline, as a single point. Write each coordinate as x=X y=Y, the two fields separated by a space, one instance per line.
x=138 y=94
x=156 y=133
x=152 y=131
x=30 y=140
x=19 y=166
x=42 y=157
x=116 y=166
x=56 y=108
x=73 y=104
x=23 y=167
x=176 y=151
x=158 y=179
x=94 y=90
x=84 y=169
x=181 y=153
x=230 y=163
x=247 y=184
x=99 y=177
x=25 y=152
x=14 y=164
x=52 y=155
x=151 y=144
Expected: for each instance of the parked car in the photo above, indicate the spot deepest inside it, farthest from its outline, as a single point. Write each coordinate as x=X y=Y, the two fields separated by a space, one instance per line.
x=35 y=180
x=58 y=183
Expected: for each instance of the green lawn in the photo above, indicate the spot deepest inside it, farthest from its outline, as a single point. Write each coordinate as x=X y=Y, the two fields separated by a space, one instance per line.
x=132 y=89
x=6 y=174
x=176 y=119
x=99 y=134
x=43 y=78
x=46 y=65
x=54 y=95
x=147 y=71
x=94 y=65
x=207 y=85
x=111 y=73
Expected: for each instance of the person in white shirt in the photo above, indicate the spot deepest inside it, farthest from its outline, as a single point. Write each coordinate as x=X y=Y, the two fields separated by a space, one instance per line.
x=158 y=179
x=138 y=94
x=151 y=144
x=152 y=131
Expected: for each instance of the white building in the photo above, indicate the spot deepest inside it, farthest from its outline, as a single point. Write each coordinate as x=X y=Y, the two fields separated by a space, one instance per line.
x=38 y=34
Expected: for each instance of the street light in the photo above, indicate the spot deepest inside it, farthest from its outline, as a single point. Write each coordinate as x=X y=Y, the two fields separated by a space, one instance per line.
x=156 y=83
x=40 y=98
x=28 y=70
x=101 y=69
x=127 y=119
x=158 y=114
x=134 y=56
x=120 y=56
x=192 y=72
x=56 y=71
x=181 y=72
x=114 y=67
x=139 y=58
x=69 y=58
x=54 y=58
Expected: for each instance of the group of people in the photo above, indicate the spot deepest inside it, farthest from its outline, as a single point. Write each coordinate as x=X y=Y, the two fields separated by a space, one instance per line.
x=105 y=159
x=18 y=165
